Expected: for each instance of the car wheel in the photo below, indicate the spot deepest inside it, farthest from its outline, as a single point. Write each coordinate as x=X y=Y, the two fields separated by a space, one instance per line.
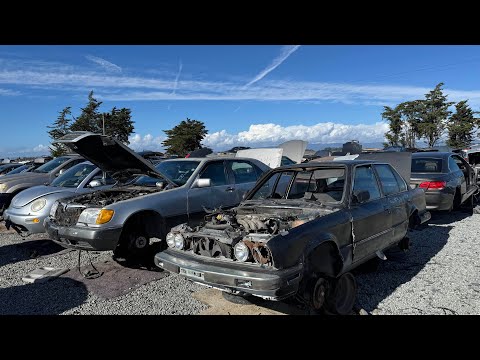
x=341 y=295
x=133 y=245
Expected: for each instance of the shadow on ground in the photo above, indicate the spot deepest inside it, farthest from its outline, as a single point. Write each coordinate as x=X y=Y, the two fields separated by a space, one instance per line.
x=400 y=266
x=29 y=249
x=48 y=298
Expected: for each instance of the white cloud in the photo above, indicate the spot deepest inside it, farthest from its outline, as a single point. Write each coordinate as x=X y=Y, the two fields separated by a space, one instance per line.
x=274 y=134
x=8 y=92
x=107 y=65
x=284 y=54
x=175 y=84
x=12 y=153
x=146 y=142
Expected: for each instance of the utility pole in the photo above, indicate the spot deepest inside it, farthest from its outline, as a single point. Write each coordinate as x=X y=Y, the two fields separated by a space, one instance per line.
x=103 y=123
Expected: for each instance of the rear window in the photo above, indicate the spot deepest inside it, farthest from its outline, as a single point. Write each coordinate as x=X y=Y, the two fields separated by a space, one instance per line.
x=426 y=165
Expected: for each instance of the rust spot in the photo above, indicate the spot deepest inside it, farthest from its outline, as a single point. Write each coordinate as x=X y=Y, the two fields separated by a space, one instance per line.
x=261 y=254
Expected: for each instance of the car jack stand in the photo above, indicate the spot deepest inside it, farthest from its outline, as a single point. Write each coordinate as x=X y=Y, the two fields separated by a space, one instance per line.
x=89 y=274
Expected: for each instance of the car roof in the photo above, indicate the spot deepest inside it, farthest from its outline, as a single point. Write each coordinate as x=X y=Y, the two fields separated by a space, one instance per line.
x=432 y=154
x=348 y=163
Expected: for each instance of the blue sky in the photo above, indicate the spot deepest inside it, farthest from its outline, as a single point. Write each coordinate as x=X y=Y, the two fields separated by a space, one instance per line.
x=246 y=95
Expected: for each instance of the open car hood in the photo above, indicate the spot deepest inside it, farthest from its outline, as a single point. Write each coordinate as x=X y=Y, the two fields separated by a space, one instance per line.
x=109 y=154
x=269 y=156
x=294 y=149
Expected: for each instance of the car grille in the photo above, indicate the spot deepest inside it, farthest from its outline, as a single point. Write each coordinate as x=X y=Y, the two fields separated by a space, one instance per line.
x=67 y=215
x=205 y=246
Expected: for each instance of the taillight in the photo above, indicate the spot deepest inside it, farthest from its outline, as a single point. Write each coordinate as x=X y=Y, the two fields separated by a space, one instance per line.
x=433 y=185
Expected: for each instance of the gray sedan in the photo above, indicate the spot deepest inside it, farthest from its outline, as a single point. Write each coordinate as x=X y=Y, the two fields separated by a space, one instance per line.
x=11 y=185
x=447 y=179
x=126 y=217
x=30 y=207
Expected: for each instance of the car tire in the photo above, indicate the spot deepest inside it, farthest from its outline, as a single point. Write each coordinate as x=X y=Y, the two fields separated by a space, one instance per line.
x=133 y=245
x=457 y=201
x=341 y=295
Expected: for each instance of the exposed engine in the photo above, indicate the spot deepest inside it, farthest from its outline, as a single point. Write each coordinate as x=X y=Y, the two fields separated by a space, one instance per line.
x=225 y=230
x=107 y=197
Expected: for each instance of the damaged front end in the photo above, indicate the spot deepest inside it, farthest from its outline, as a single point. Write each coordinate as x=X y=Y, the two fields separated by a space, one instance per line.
x=242 y=234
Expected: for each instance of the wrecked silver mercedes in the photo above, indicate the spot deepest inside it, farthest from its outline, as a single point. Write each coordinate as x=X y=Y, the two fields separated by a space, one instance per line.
x=299 y=232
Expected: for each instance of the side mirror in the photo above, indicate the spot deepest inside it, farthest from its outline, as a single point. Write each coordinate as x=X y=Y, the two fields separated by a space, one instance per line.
x=360 y=197
x=94 y=183
x=202 y=183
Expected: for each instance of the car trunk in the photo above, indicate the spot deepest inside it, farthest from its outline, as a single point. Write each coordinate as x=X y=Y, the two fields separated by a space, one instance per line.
x=417 y=178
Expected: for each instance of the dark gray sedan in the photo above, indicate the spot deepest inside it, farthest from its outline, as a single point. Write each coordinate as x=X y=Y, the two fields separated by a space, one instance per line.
x=447 y=179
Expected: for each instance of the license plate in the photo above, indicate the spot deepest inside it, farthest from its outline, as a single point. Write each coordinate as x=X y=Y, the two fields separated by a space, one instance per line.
x=192 y=273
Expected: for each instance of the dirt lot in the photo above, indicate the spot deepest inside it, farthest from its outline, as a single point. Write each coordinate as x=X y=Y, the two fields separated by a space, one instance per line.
x=440 y=274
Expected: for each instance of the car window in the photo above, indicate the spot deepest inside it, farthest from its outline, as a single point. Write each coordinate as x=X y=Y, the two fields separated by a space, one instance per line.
x=74 y=176
x=324 y=185
x=107 y=181
x=365 y=181
x=215 y=171
x=462 y=164
x=387 y=179
x=243 y=172
x=452 y=164
x=52 y=164
x=178 y=171
x=401 y=182
x=426 y=165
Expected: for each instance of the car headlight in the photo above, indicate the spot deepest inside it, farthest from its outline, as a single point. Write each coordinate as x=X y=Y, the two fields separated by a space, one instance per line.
x=95 y=216
x=170 y=240
x=179 y=241
x=242 y=252
x=3 y=187
x=54 y=208
x=38 y=204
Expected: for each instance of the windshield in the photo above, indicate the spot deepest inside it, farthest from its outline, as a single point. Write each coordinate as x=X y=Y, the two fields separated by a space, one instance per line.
x=73 y=177
x=19 y=169
x=178 y=171
x=52 y=164
x=5 y=169
x=322 y=185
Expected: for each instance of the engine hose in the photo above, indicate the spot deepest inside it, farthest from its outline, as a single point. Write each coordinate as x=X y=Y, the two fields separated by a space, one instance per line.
x=217 y=226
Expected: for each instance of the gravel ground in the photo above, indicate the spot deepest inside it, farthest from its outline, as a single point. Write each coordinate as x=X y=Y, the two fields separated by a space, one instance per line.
x=438 y=275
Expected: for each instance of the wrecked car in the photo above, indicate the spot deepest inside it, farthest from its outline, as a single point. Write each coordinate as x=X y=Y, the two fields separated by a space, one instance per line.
x=128 y=216
x=11 y=185
x=447 y=179
x=30 y=207
x=299 y=232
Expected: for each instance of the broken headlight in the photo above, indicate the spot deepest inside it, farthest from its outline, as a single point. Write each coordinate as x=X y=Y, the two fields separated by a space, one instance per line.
x=53 y=210
x=38 y=204
x=179 y=241
x=170 y=239
x=242 y=252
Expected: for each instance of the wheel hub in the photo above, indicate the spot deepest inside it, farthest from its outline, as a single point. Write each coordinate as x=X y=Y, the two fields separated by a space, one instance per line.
x=140 y=242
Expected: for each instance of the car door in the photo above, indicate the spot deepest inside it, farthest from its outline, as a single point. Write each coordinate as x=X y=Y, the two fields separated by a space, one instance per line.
x=467 y=176
x=371 y=218
x=395 y=190
x=243 y=176
x=220 y=193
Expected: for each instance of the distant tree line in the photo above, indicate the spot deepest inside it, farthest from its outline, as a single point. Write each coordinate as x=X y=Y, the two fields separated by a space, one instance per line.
x=429 y=119
x=116 y=123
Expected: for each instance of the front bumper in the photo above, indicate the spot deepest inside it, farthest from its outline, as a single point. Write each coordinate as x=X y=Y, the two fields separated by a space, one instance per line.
x=80 y=238
x=25 y=222
x=269 y=284
x=438 y=200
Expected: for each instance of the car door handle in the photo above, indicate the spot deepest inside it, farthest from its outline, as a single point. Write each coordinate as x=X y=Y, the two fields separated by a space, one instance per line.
x=230 y=189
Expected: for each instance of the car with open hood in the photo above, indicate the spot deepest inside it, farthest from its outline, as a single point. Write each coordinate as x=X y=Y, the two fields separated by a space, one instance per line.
x=299 y=232
x=126 y=217
x=11 y=185
x=30 y=207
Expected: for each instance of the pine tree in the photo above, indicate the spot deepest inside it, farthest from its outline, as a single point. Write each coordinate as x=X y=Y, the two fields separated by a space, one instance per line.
x=90 y=119
x=58 y=129
x=118 y=124
x=184 y=137
x=461 y=126
x=433 y=113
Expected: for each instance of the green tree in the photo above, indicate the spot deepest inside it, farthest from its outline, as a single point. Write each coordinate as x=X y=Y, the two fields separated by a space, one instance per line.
x=58 y=129
x=461 y=126
x=90 y=119
x=119 y=124
x=394 y=135
x=411 y=115
x=185 y=137
x=433 y=114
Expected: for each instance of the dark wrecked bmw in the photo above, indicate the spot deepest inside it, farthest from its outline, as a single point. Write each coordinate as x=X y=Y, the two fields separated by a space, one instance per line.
x=299 y=232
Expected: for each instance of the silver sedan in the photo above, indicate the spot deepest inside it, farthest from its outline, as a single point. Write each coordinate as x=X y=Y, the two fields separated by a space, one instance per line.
x=30 y=207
